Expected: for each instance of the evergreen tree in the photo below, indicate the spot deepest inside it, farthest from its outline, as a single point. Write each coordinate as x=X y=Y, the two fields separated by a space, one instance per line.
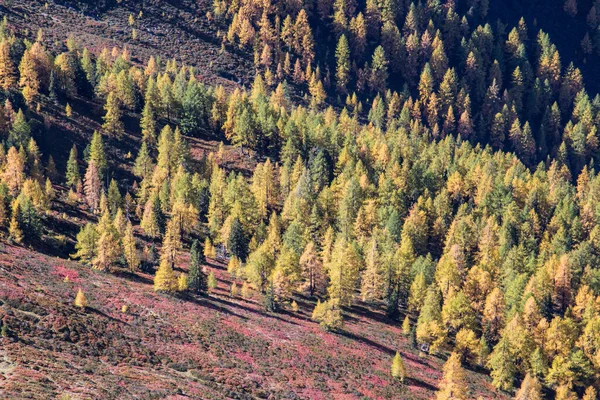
x=86 y=243
x=143 y=163
x=14 y=171
x=29 y=78
x=453 y=384
x=20 y=131
x=96 y=153
x=379 y=71
x=92 y=186
x=148 y=123
x=502 y=365
x=342 y=55
x=81 y=300
x=398 y=369
x=182 y=283
x=530 y=389
x=8 y=71
x=114 y=197
x=165 y=279
x=129 y=248
x=108 y=247
x=112 y=119
x=212 y=281
x=328 y=315
x=236 y=242
x=197 y=278
x=195 y=107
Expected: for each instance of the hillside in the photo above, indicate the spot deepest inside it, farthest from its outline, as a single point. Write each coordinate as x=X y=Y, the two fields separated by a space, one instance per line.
x=170 y=29
x=340 y=199
x=212 y=347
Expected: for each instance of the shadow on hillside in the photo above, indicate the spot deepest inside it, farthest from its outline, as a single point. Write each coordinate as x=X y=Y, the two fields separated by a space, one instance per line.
x=417 y=382
x=368 y=342
x=105 y=315
x=411 y=381
x=378 y=346
x=130 y=276
x=252 y=310
x=367 y=312
x=297 y=315
x=206 y=302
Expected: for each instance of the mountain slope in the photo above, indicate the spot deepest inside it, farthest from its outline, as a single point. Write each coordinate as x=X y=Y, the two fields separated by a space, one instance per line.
x=199 y=347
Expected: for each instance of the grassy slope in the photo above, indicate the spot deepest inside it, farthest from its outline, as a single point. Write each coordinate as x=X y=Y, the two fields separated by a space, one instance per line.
x=214 y=347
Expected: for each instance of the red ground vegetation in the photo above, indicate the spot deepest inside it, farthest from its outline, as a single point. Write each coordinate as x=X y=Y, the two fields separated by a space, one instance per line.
x=199 y=347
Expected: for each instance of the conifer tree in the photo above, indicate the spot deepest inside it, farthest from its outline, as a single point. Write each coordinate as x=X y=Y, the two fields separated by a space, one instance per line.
x=197 y=278
x=372 y=282
x=429 y=324
x=114 y=197
x=564 y=392
x=530 y=389
x=418 y=289
x=398 y=369
x=165 y=279
x=312 y=270
x=97 y=154
x=212 y=281
x=453 y=384
x=108 y=248
x=92 y=186
x=406 y=326
x=148 y=123
x=195 y=107
x=153 y=220
x=342 y=55
x=88 y=67
x=590 y=393
x=112 y=119
x=493 y=314
x=15 y=233
x=501 y=363
x=129 y=248
x=182 y=283
x=328 y=315
x=8 y=71
x=14 y=171
x=379 y=71
x=86 y=243
x=20 y=131
x=29 y=78
x=343 y=271
x=236 y=242
x=171 y=243
x=143 y=163
x=81 y=300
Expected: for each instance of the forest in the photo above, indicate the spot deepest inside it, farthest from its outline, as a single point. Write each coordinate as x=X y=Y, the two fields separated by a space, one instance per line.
x=424 y=159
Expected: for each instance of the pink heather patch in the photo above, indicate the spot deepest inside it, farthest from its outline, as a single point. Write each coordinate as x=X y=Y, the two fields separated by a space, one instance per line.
x=66 y=273
x=245 y=357
x=313 y=394
x=377 y=381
